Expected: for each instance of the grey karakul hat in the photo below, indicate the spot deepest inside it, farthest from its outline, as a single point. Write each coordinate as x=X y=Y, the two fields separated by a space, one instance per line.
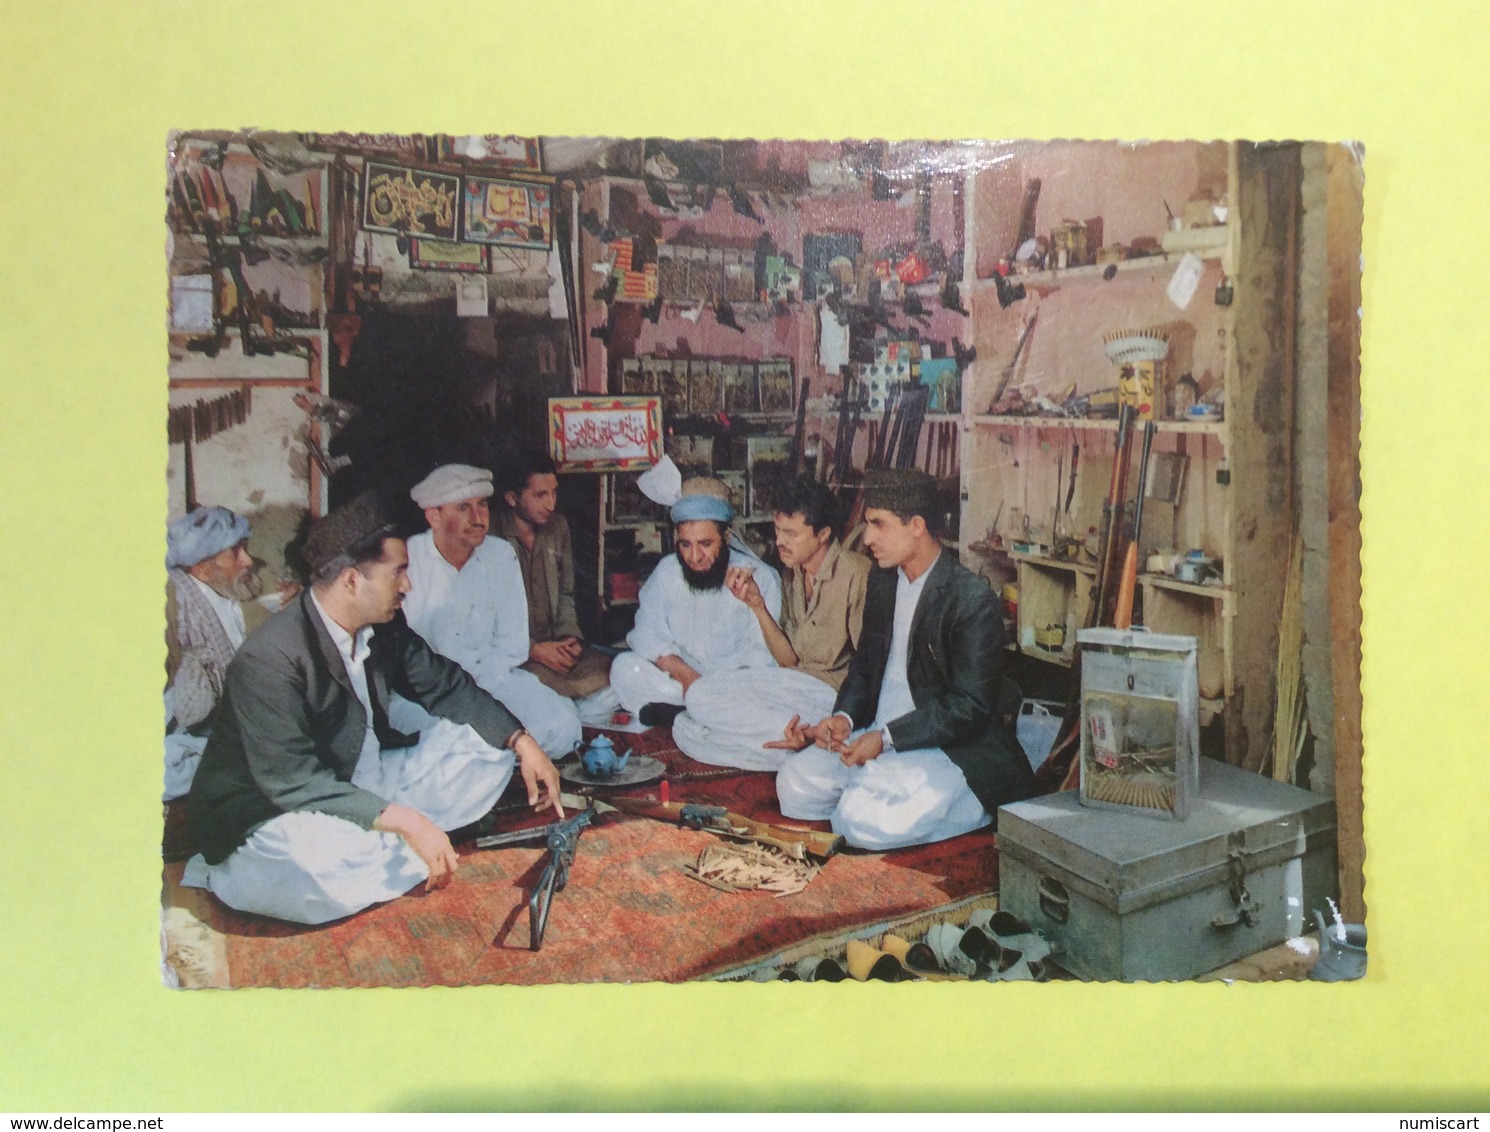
x=346 y=526
x=902 y=490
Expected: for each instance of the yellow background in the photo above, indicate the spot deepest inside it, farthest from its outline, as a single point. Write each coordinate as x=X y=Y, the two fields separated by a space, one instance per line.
x=89 y=92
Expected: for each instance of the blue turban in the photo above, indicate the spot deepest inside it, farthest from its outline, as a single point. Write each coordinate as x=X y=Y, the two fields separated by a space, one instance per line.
x=200 y=534
x=692 y=507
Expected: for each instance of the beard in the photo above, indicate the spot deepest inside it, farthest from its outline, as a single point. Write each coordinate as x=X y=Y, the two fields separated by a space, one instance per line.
x=706 y=581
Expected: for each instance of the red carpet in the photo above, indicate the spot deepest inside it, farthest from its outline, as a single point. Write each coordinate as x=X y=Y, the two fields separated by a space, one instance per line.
x=629 y=914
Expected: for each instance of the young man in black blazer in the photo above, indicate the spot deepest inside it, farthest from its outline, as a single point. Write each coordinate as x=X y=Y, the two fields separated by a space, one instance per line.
x=915 y=751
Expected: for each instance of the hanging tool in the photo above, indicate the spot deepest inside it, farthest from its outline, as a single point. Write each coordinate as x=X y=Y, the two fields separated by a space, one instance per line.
x=1008 y=371
x=1055 y=515
x=1071 y=485
x=799 y=434
x=1122 y=617
x=1111 y=515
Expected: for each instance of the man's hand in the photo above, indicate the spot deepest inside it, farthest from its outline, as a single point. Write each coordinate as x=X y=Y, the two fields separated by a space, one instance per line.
x=740 y=580
x=678 y=669
x=832 y=733
x=539 y=775
x=425 y=838
x=288 y=591
x=866 y=747
x=560 y=656
x=796 y=736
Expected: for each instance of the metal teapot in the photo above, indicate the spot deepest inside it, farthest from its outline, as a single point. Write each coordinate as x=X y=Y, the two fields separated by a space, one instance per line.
x=600 y=759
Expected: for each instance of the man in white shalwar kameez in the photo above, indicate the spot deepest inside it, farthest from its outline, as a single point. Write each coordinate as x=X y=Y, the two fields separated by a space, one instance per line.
x=470 y=604
x=738 y=718
x=915 y=751
x=688 y=624
x=309 y=805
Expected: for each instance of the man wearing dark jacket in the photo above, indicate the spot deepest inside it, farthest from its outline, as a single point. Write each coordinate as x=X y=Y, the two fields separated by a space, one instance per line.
x=308 y=806
x=914 y=751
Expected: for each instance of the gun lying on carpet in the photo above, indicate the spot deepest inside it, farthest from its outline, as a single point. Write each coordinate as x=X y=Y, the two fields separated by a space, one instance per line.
x=563 y=840
x=795 y=843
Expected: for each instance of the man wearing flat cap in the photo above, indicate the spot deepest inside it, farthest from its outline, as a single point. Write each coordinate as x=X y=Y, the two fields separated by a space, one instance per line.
x=470 y=604
x=915 y=750
x=688 y=624
x=309 y=806
x=208 y=581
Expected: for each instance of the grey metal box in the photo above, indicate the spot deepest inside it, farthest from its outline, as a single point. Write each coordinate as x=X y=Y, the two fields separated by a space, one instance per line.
x=1120 y=896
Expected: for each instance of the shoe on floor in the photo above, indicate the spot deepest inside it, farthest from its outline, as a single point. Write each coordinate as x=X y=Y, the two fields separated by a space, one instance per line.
x=659 y=715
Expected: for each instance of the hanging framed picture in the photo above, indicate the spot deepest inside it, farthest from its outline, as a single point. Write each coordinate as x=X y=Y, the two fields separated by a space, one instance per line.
x=605 y=434
x=409 y=202
x=438 y=255
x=515 y=214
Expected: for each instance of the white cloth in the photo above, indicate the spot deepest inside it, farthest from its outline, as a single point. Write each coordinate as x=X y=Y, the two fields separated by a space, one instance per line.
x=354 y=652
x=900 y=798
x=183 y=756
x=732 y=715
x=478 y=617
x=310 y=867
x=710 y=632
x=183 y=751
x=895 y=690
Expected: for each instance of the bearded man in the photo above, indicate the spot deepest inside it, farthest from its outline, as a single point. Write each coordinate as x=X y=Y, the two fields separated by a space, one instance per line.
x=210 y=577
x=688 y=624
x=738 y=718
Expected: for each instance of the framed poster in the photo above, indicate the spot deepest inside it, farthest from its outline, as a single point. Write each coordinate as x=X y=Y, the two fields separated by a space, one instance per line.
x=605 y=434
x=438 y=255
x=409 y=202
x=515 y=214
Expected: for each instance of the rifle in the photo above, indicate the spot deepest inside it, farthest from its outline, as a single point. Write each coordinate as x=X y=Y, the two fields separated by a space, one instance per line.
x=563 y=840
x=1122 y=617
x=795 y=843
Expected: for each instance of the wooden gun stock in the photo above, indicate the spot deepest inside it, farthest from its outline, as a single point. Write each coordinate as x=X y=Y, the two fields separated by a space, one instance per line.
x=716 y=819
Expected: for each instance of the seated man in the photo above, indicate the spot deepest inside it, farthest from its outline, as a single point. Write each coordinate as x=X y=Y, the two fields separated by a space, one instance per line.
x=468 y=604
x=557 y=654
x=208 y=580
x=687 y=623
x=308 y=805
x=738 y=718
x=915 y=751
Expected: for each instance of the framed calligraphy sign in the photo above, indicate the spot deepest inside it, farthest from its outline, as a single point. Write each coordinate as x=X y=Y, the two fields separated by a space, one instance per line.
x=605 y=434
x=409 y=202
x=436 y=255
x=516 y=214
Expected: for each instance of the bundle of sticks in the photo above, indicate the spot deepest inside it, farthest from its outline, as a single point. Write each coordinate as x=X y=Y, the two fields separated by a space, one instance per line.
x=739 y=868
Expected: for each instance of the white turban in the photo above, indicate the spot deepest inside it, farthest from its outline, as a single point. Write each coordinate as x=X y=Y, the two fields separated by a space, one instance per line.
x=200 y=534
x=452 y=483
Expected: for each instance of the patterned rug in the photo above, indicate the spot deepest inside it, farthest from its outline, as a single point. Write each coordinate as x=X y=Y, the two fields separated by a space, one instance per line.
x=629 y=913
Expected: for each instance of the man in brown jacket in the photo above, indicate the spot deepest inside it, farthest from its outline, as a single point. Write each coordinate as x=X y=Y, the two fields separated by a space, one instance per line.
x=557 y=652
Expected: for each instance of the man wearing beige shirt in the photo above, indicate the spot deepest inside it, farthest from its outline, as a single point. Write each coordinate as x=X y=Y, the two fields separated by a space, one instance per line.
x=738 y=718
x=539 y=534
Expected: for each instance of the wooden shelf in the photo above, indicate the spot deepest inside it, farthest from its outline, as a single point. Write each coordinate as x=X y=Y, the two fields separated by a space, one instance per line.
x=1095 y=271
x=996 y=420
x=1053 y=563
x=1164 y=582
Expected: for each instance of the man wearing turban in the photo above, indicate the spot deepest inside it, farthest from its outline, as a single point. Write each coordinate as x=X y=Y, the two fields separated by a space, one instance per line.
x=688 y=624
x=209 y=578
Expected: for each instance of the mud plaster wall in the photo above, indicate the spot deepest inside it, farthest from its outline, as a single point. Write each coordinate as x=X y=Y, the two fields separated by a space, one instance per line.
x=258 y=468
